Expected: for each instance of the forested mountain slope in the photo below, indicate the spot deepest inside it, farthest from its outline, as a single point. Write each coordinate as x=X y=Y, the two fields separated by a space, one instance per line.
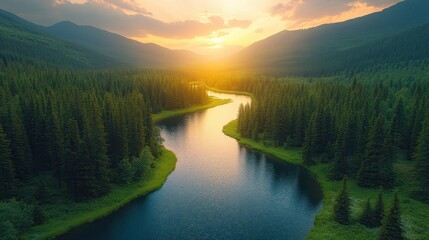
x=294 y=52
x=129 y=51
x=25 y=42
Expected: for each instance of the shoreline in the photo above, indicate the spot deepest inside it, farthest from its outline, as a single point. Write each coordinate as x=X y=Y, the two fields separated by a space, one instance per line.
x=230 y=92
x=87 y=212
x=213 y=102
x=414 y=213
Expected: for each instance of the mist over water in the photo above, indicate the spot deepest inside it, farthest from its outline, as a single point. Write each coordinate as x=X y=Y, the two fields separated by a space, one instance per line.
x=219 y=189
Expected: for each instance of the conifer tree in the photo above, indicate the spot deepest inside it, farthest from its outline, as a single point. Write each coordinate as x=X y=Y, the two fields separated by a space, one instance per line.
x=421 y=156
x=369 y=173
x=397 y=123
x=7 y=172
x=391 y=229
x=21 y=153
x=339 y=168
x=342 y=205
x=378 y=214
x=366 y=217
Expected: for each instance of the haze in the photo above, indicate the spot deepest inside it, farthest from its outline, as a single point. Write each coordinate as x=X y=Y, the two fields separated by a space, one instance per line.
x=208 y=27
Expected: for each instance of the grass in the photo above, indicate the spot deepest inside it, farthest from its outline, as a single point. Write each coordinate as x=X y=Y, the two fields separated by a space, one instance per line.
x=213 y=102
x=229 y=91
x=414 y=213
x=64 y=214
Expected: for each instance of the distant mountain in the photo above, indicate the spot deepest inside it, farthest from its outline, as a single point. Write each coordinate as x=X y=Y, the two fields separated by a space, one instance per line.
x=131 y=52
x=68 y=44
x=25 y=42
x=301 y=52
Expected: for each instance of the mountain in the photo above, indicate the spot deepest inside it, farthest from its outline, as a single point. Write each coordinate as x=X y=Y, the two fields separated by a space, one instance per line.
x=299 y=52
x=25 y=42
x=132 y=52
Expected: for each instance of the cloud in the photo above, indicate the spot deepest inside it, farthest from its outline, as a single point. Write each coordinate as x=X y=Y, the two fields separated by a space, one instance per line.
x=125 y=17
x=310 y=10
x=236 y=23
x=259 y=30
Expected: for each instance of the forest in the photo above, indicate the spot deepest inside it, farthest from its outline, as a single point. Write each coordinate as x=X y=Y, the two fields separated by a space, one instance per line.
x=358 y=125
x=86 y=129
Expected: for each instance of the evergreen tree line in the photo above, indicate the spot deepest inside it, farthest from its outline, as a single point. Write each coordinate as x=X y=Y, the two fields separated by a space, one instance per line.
x=80 y=126
x=358 y=127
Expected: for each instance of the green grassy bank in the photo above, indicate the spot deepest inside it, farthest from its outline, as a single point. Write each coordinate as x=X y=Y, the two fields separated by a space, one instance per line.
x=414 y=213
x=213 y=102
x=63 y=214
x=229 y=91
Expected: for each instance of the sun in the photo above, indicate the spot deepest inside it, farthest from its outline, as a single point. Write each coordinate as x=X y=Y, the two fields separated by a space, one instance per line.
x=217 y=42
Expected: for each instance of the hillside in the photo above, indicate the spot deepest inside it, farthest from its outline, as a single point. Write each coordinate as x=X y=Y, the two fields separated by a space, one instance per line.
x=25 y=42
x=296 y=52
x=132 y=52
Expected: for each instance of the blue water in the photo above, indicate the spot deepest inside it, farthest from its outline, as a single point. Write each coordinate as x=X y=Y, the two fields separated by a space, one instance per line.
x=219 y=190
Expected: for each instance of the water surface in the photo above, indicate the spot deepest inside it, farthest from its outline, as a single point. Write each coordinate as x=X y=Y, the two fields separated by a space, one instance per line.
x=219 y=190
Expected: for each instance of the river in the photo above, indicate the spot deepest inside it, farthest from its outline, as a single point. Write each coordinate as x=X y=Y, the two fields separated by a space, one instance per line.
x=219 y=189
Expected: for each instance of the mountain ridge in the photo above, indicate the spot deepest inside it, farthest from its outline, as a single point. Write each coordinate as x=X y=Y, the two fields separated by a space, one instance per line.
x=287 y=49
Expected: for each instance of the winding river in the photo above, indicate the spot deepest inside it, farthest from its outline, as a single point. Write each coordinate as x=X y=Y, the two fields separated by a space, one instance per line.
x=219 y=189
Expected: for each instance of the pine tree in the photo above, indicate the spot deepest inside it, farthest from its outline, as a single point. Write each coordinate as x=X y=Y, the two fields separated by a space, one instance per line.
x=39 y=216
x=7 y=172
x=397 y=124
x=421 y=156
x=379 y=209
x=342 y=205
x=41 y=195
x=366 y=217
x=339 y=169
x=387 y=175
x=125 y=171
x=392 y=227
x=369 y=173
x=21 y=153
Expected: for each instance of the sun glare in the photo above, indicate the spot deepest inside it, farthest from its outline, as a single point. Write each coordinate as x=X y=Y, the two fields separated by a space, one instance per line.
x=217 y=42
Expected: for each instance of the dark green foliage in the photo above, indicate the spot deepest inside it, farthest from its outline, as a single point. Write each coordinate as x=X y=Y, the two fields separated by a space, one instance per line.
x=342 y=205
x=421 y=156
x=18 y=214
x=7 y=172
x=378 y=213
x=38 y=215
x=8 y=231
x=392 y=226
x=21 y=154
x=357 y=126
x=125 y=171
x=376 y=170
x=367 y=216
x=78 y=125
x=41 y=195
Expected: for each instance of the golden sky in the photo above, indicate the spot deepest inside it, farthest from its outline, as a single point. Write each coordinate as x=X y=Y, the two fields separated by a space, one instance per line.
x=208 y=27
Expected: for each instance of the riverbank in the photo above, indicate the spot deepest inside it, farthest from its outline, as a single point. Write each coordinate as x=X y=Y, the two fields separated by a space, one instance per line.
x=213 y=102
x=414 y=213
x=64 y=215
x=229 y=91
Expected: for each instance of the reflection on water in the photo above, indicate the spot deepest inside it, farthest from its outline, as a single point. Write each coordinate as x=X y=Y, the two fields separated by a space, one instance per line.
x=219 y=190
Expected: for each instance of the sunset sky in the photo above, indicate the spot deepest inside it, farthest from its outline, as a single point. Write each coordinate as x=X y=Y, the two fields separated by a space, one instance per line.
x=209 y=27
